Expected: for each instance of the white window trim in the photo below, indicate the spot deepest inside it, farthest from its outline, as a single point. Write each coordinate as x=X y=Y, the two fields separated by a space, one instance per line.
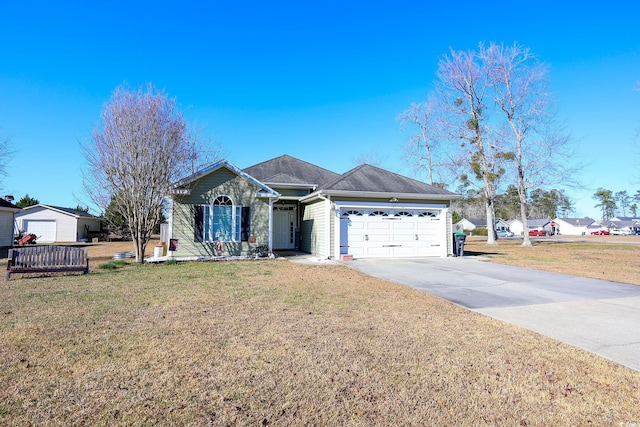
x=236 y=218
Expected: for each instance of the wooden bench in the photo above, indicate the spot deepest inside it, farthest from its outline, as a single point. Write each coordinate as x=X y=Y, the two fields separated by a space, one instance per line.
x=47 y=259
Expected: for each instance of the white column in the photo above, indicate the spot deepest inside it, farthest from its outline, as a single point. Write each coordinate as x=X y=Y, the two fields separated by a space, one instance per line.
x=328 y=231
x=270 y=244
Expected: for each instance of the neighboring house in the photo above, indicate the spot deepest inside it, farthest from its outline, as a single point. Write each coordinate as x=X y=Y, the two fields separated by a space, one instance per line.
x=598 y=226
x=623 y=223
x=502 y=225
x=624 y=218
x=517 y=227
x=56 y=224
x=7 y=220
x=288 y=204
x=576 y=226
x=631 y=223
x=468 y=225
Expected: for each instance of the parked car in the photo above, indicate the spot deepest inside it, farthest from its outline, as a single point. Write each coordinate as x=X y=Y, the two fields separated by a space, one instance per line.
x=621 y=232
x=504 y=233
x=600 y=233
x=536 y=233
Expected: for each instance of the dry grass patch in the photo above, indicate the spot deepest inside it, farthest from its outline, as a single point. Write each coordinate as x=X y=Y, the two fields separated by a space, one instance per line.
x=278 y=343
x=615 y=258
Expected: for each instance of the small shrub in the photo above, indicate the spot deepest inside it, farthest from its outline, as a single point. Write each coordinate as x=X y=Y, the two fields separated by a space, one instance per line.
x=108 y=266
x=112 y=265
x=479 y=232
x=170 y=262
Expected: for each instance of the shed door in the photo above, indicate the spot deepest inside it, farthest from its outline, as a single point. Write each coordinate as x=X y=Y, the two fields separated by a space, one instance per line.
x=45 y=230
x=396 y=233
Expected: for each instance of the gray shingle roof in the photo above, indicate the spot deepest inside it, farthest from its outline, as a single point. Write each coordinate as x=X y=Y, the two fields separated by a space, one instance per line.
x=538 y=222
x=477 y=222
x=74 y=212
x=579 y=222
x=625 y=223
x=367 y=178
x=289 y=170
x=6 y=204
x=626 y=218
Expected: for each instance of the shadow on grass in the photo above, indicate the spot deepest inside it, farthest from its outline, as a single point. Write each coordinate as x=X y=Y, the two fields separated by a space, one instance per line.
x=477 y=253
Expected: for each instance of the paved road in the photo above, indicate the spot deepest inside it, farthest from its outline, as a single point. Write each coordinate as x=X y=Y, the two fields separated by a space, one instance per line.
x=596 y=315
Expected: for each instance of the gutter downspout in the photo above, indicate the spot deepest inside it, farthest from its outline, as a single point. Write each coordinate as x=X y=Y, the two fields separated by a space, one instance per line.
x=170 y=219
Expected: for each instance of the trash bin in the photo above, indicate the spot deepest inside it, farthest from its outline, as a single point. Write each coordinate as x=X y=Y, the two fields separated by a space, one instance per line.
x=157 y=251
x=458 y=243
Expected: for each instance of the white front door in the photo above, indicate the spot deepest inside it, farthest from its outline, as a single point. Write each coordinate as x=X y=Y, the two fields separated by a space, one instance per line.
x=284 y=227
x=392 y=233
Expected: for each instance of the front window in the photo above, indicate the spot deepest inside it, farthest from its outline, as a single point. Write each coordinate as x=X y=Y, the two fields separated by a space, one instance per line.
x=222 y=221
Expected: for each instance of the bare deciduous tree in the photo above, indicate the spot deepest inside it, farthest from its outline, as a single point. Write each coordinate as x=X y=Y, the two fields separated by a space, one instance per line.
x=421 y=145
x=374 y=157
x=537 y=149
x=141 y=146
x=495 y=100
x=461 y=88
x=6 y=153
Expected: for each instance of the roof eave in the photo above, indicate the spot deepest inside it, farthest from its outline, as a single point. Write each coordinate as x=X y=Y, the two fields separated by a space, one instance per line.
x=53 y=208
x=379 y=195
x=290 y=186
x=267 y=195
x=179 y=188
x=6 y=208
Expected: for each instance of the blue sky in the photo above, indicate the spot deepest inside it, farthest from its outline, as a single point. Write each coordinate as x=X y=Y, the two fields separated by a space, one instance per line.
x=321 y=81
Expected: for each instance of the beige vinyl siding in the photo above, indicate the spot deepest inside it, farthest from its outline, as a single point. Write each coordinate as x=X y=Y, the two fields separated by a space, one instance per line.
x=313 y=230
x=203 y=192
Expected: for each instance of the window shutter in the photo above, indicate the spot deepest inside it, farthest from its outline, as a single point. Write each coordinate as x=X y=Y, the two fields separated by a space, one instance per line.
x=198 y=223
x=244 y=225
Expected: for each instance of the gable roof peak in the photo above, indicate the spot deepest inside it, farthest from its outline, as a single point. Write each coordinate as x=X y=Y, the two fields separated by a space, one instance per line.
x=286 y=169
x=181 y=186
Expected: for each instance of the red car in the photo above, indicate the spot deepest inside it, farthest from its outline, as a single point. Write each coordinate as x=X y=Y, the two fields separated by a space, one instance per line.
x=536 y=233
x=601 y=233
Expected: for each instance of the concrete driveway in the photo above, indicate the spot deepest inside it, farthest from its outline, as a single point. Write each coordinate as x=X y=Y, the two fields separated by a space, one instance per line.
x=596 y=315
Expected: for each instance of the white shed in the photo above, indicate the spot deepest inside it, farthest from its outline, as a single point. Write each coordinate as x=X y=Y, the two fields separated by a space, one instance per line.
x=7 y=212
x=56 y=224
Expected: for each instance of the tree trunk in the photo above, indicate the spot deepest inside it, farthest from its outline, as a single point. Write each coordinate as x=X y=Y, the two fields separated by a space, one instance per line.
x=139 y=245
x=522 y=192
x=526 y=241
x=491 y=223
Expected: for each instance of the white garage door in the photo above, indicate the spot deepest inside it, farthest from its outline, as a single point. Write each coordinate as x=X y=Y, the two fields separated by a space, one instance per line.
x=393 y=233
x=45 y=230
